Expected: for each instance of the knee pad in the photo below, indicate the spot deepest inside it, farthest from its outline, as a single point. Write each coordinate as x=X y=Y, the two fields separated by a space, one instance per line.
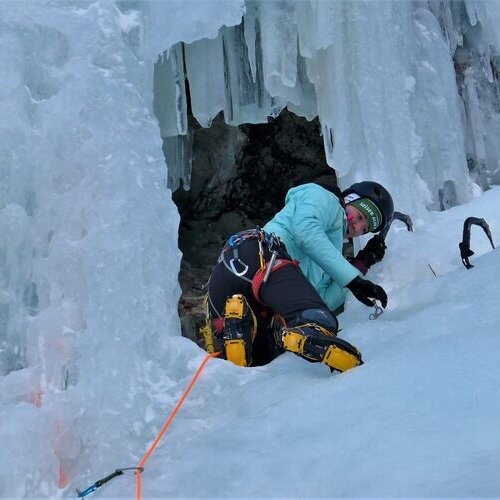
x=316 y=344
x=321 y=317
x=240 y=328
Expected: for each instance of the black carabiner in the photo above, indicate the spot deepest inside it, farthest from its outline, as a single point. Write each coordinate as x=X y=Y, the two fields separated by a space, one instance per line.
x=100 y=482
x=378 y=312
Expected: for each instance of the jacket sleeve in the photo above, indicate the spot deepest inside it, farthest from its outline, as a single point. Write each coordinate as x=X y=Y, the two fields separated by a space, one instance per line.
x=333 y=295
x=318 y=211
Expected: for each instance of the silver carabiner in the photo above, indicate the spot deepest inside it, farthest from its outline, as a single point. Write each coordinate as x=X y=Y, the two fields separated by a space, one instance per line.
x=378 y=312
x=270 y=266
x=233 y=269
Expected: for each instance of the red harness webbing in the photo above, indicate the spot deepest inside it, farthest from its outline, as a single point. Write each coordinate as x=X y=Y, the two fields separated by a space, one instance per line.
x=258 y=278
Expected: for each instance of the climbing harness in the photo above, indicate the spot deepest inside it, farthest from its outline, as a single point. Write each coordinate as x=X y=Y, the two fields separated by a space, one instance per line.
x=100 y=482
x=233 y=330
x=378 y=312
x=464 y=245
x=273 y=244
x=140 y=468
x=232 y=244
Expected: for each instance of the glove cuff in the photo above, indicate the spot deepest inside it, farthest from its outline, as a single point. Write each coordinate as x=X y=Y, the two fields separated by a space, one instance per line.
x=359 y=265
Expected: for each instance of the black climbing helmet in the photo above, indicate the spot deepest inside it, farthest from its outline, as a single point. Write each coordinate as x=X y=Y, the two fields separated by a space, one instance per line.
x=379 y=195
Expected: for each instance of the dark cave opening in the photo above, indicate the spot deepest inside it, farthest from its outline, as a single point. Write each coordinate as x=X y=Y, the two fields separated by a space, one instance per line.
x=240 y=176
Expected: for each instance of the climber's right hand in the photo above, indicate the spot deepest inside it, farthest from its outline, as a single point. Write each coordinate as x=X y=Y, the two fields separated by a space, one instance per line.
x=365 y=291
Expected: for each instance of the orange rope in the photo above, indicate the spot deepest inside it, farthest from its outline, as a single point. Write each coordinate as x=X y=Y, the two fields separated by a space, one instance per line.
x=146 y=456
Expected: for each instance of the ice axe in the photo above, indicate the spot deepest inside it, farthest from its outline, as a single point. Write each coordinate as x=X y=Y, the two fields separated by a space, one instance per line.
x=399 y=216
x=464 y=245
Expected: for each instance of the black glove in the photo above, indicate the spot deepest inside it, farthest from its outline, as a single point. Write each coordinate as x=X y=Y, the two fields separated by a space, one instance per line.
x=365 y=290
x=373 y=252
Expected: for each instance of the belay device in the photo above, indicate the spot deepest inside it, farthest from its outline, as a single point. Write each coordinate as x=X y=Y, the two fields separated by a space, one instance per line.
x=464 y=245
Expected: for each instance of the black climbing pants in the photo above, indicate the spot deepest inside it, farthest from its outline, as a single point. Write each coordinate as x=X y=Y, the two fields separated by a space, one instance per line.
x=287 y=292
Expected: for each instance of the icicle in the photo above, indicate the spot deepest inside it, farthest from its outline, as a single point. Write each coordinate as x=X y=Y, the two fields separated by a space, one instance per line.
x=170 y=93
x=279 y=49
x=178 y=152
x=246 y=101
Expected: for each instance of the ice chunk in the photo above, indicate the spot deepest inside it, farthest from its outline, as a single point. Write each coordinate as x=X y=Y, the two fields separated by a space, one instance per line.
x=205 y=72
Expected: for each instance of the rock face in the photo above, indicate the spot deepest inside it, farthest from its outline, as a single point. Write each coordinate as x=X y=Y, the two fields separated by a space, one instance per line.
x=240 y=177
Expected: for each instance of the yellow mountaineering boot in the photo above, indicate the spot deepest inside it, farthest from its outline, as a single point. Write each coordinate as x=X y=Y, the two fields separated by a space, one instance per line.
x=315 y=343
x=240 y=328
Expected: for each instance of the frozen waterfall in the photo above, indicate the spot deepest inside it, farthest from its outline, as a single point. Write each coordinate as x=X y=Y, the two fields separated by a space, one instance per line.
x=88 y=248
x=89 y=331
x=400 y=88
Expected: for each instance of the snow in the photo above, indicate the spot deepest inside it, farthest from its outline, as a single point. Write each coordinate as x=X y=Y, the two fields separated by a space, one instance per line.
x=91 y=357
x=418 y=419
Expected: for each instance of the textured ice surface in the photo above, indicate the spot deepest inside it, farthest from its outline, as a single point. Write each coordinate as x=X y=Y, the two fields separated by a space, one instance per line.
x=89 y=332
x=401 y=88
x=91 y=360
x=418 y=419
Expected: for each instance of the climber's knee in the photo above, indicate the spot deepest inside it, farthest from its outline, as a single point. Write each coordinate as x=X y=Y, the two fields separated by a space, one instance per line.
x=320 y=317
x=240 y=328
x=317 y=344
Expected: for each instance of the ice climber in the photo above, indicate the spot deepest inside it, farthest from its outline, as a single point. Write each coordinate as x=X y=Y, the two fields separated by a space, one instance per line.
x=274 y=289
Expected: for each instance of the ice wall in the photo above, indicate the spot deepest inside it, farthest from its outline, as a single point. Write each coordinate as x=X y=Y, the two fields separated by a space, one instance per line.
x=381 y=77
x=473 y=31
x=89 y=332
x=90 y=350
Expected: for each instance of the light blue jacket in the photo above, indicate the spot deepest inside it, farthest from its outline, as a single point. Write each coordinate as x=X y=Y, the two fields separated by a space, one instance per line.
x=312 y=225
